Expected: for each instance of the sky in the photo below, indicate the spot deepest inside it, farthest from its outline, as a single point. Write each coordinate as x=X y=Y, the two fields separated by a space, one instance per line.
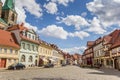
x=69 y=23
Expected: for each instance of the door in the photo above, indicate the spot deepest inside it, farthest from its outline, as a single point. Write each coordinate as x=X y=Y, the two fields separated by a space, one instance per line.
x=40 y=62
x=3 y=63
x=35 y=62
x=116 y=64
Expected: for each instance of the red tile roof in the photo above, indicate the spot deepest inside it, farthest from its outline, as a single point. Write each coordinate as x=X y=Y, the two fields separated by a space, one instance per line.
x=115 y=38
x=114 y=35
x=8 y=39
x=107 y=39
x=115 y=44
x=20 y=27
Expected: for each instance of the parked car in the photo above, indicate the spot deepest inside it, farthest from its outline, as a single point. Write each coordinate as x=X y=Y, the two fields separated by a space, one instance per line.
x=63 y=64
x=16 y=66
x=49 y=65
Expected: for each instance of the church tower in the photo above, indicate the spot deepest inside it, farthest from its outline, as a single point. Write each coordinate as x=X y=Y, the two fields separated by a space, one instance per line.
x=9 y=14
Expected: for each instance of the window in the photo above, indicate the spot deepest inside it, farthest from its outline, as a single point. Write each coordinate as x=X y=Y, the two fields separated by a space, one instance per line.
x=30 y=59
x=28 y=46
x=16 y=51
x=5 y=50
x=29 y=35
x=15 y=61
x=11 y=51
x=114 y=51
x=32 y=47
x=41 y=50
x=12 y=17
x=23 y=45
x=23 y=58
x=119 y=49
x=36 y=48
x=9 y=60
x=3 y=15
x=33 y=37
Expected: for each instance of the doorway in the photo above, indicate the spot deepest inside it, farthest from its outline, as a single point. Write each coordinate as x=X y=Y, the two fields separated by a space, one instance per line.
x=3 y=63
x=116 y=64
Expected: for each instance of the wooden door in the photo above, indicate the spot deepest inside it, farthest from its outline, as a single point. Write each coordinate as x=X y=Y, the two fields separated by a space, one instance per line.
x=3 y=63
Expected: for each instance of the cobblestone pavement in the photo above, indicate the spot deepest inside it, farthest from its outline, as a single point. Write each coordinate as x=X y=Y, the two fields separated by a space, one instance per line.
x=61 y=73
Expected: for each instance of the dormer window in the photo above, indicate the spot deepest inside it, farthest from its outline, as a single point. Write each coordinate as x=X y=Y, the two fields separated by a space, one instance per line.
x=26 y=34
x=33 y=37
x=29 y=36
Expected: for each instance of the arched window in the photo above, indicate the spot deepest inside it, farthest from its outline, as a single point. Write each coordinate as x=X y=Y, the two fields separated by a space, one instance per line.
x=30 y=59
x=23 y=58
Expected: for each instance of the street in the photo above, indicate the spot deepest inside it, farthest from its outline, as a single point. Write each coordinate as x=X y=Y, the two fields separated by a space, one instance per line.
x=61 y=73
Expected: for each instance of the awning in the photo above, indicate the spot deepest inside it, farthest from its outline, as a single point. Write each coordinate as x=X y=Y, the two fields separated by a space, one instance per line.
x=52 y=60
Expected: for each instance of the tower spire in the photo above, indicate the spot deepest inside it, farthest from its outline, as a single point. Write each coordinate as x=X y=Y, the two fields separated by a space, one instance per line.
x=9 y=4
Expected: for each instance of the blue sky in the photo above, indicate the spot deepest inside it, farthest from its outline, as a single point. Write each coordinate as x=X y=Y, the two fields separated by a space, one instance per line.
x=69 y=23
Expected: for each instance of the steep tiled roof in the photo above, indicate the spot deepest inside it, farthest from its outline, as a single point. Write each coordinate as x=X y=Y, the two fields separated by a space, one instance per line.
x=114 y=36
x=107 y=39
x=116 y=39
x=8 y=39
x=22 y=28
x=115 y=44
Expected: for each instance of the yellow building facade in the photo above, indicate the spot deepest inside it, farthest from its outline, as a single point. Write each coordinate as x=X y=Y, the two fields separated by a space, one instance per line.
x=9 y=49
x=8 y=56
x=45 y=53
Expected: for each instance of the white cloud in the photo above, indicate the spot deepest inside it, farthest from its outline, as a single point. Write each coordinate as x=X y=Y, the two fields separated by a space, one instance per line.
x=58 y=32
x=75 y=50
x=84 y=14
x=51 y=7
x=107 y=11
x=29 y=5
x=63 y=2
x=80 y=34
x=75 y=20
x=96 y=27
x=54 y=31
x=58 y=18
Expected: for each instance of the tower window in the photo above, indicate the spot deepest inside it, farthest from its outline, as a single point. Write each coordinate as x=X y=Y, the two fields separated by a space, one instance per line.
x=3 y=15
x=12 y=17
